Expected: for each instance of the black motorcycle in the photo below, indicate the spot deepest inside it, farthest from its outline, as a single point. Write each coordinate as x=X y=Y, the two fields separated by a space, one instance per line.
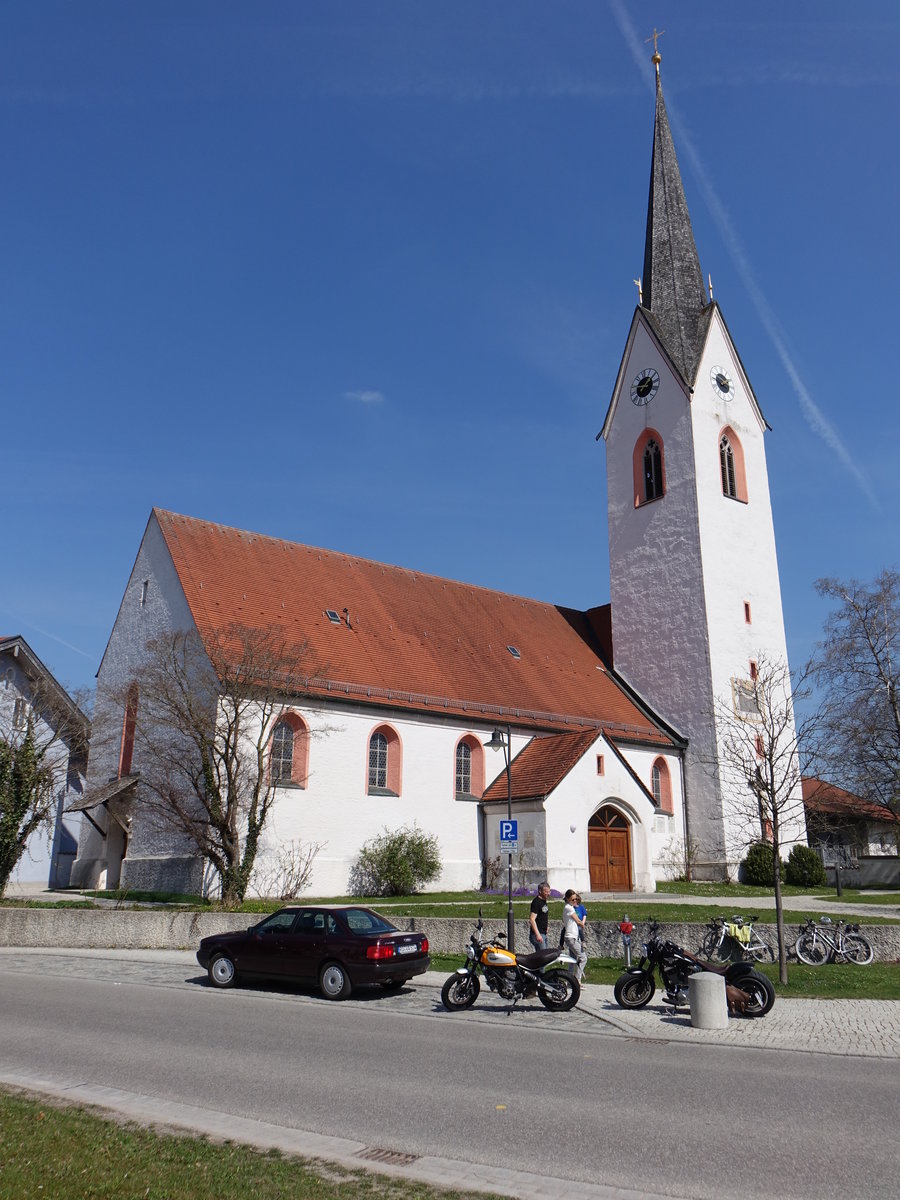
x=748 y=990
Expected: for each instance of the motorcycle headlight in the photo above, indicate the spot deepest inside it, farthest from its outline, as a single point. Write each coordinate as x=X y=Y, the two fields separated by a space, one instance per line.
x=470 y=953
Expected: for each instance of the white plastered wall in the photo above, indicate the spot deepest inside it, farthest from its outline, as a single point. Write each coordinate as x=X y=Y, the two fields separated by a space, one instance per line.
x=335 y=808
x=740 y=566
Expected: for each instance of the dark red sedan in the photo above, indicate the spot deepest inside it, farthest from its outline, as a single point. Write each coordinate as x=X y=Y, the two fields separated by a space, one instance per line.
x=339 y=947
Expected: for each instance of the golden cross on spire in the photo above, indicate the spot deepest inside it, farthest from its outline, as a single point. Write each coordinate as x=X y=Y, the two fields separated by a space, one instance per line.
x=654 y=38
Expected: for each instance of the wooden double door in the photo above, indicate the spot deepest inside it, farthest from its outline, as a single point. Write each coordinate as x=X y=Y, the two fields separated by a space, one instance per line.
x=609 y=851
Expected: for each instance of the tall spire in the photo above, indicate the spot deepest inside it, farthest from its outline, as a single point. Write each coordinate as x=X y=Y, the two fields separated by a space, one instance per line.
x=672 y=279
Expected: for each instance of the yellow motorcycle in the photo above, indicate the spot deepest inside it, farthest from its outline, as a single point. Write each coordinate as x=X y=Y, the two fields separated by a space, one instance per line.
x=544 y=973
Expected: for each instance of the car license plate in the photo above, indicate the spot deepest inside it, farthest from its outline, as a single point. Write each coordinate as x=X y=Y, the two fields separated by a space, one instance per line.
x=407 y=949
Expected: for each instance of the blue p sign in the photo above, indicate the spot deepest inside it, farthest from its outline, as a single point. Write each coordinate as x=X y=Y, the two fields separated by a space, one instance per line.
x=509 y=831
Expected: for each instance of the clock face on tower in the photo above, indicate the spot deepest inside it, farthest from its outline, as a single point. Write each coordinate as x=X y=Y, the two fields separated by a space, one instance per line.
x=645 y=386
x=722 y=383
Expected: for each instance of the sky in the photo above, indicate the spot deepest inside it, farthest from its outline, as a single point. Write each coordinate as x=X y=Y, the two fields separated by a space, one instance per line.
x=359 y=274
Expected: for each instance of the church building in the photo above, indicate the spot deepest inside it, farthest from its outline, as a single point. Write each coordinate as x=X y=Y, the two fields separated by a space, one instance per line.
x=608 y=714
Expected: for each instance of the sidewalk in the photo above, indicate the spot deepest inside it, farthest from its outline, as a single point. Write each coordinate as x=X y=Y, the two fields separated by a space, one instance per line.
x=855 y=1028
x=741 y=904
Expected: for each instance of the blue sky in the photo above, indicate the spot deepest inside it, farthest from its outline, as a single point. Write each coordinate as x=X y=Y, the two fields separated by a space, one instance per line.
x=359 y=274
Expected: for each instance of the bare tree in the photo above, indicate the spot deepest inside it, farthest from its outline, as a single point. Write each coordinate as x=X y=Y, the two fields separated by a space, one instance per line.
x=857 y=668
x=202 y=739
x=763 y=757
x=42 y=736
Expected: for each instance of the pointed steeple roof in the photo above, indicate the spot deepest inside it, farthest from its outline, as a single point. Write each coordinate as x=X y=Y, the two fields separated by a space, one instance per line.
x=672 y=280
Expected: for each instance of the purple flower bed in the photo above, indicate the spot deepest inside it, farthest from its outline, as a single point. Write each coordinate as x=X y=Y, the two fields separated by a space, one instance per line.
x=521 y=891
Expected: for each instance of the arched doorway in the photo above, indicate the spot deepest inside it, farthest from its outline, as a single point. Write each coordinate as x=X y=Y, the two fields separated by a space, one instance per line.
x=609 y=851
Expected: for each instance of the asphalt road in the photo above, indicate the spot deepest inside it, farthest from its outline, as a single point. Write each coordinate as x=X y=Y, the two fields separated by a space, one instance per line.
x=557 y=1095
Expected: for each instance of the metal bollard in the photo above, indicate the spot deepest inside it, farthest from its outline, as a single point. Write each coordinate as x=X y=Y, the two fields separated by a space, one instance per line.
x=626 y=929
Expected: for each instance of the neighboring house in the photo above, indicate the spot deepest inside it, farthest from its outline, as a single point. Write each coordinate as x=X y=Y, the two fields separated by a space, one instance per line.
x=28 y=691
x=852 y=833
x=611 y=711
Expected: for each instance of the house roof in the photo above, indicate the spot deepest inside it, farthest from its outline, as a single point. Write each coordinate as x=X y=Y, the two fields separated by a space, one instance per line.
x=822 y=797
x=403 y=638
x=16 y=646
x=542 y=765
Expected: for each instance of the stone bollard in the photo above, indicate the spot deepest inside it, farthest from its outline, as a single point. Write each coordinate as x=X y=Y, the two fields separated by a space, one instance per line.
x=709 y=1008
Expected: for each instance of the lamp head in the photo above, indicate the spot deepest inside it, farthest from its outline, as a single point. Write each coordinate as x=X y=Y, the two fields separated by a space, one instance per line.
x=497 y=742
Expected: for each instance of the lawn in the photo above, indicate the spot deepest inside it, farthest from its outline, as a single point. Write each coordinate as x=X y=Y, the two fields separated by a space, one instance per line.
x=68 y=1153
x=466 y=905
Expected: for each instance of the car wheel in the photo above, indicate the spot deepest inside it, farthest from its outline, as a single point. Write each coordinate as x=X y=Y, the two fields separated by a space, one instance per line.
x=221 y=971
x=334 y=982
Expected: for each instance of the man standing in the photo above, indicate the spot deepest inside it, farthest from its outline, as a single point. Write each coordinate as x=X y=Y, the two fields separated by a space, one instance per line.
x=539 y=918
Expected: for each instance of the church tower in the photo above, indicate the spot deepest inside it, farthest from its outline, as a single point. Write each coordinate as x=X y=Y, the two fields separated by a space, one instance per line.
x=694 y=588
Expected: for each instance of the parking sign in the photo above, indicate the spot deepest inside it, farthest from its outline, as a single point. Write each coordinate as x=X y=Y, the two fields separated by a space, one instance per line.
x=509 y=835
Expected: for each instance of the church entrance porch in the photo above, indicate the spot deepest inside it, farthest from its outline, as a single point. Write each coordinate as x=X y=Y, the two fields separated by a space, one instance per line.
x=609 y=851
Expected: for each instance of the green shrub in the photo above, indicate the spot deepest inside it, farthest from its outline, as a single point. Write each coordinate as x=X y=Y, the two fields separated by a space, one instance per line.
x=804 y=868
x=758 y=868
x=396 y=863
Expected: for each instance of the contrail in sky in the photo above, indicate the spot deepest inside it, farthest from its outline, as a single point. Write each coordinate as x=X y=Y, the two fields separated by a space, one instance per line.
x=52 y=636
x=813 y=415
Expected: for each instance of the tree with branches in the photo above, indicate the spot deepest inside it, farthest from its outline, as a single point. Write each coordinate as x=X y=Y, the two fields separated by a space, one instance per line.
x=202 y=729
x=857 y=670
x=762 y=760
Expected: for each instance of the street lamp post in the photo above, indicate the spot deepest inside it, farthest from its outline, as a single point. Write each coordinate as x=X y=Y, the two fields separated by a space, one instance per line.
x=499 y=742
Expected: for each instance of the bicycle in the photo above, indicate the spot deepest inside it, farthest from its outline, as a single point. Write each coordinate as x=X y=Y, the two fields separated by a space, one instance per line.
x=816 y=945
x=724 y=941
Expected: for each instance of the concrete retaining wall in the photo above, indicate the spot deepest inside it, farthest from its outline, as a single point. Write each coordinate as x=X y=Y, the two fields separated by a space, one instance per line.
x=154 y=929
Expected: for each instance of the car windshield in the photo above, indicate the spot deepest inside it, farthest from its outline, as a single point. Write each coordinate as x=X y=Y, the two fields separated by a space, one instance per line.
x=360 y=920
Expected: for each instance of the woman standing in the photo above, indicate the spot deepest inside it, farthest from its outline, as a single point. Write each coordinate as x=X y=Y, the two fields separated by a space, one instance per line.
x=573 y=924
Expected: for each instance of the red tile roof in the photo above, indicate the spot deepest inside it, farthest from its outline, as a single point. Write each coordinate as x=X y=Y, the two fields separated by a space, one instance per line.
x=542 y=765
x=819 y=796
x=405 y=639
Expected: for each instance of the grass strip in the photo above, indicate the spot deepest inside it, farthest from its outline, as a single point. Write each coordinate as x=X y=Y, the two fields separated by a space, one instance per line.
x=70 y=1153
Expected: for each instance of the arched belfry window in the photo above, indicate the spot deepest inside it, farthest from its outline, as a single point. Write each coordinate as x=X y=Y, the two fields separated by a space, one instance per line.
x=652 y=471
x=649 y=466
x=726 y=462
x=731 y=466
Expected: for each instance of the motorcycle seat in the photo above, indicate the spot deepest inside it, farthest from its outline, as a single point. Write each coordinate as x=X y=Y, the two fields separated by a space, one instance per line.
x=712 y=968
x=538 y=959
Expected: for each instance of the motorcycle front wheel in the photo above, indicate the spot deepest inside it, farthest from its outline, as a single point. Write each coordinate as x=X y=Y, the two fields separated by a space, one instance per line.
x=460 y=991
x=563 y=991
x=634 y=991
x=760 y=991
